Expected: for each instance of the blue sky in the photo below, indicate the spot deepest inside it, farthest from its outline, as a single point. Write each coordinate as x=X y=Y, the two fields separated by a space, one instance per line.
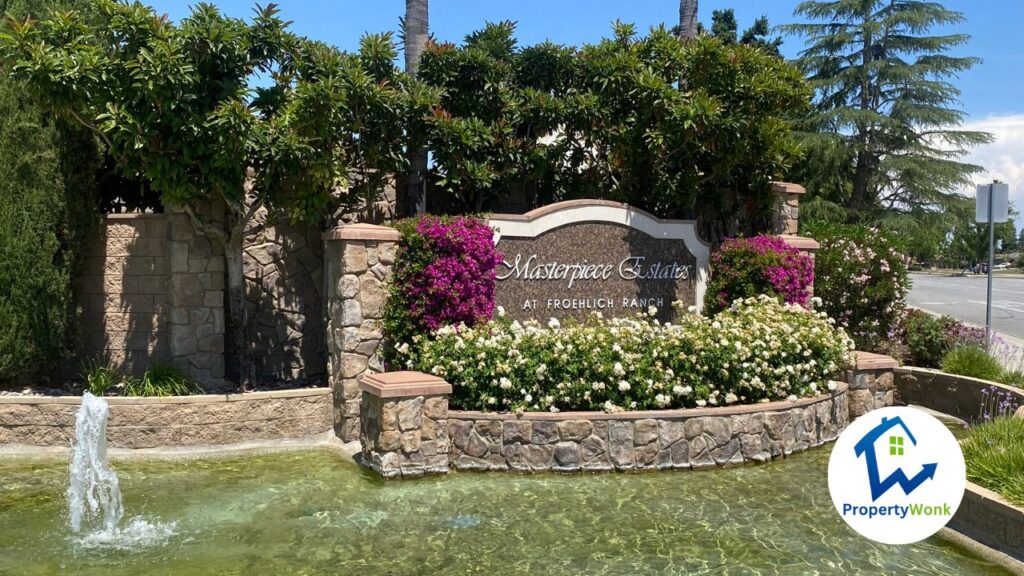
x=993 y=92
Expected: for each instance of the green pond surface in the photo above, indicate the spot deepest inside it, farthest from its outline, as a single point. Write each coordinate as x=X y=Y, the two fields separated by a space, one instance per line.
x=315 y=513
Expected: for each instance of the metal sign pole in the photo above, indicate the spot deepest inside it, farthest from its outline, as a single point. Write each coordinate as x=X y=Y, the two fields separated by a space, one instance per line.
x=991 y=252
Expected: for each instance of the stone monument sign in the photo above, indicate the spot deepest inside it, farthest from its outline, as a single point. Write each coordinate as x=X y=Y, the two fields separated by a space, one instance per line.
x=573 y=258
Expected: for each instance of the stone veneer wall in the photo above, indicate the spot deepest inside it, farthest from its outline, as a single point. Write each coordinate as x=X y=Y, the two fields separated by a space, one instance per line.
x=358 y=260
x=989 y=518
x=284 y=295
x=172 y=421
x=959 y=396
x=123 y=292
x=786 y=208
x=152 y=290
x=655 y=440
x=872 y=384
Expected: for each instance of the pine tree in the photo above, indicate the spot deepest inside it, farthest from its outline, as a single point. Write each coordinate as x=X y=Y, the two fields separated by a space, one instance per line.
x=725 y=28
x=886 y=117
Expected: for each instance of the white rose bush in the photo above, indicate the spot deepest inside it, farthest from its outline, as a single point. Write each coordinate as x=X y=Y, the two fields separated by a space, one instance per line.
x=757 y=350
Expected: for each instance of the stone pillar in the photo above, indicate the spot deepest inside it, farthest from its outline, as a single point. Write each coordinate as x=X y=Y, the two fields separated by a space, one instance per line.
x=786 y=208
x=357 y=263
x=786 y=218
x=872 y=383
x=196 y=295
x=404 y=424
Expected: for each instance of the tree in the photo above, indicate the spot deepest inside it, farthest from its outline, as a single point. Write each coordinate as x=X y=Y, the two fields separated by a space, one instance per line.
x=969 y=239
x=725 y=28
x=416 y=31
x=218 y=109
x=688 y=22
x=609 y=120
x=47 y=210
x=883 y=134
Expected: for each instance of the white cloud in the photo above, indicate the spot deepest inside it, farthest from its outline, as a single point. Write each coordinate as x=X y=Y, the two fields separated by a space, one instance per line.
x=1002 y=159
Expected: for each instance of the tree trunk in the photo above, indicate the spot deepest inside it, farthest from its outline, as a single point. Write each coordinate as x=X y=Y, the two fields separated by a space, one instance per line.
x=863 y=170
x=416 y=30
x=233 y=257
x=687 y=19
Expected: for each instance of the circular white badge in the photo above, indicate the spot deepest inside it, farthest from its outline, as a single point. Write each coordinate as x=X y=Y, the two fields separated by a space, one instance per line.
x=896 y=475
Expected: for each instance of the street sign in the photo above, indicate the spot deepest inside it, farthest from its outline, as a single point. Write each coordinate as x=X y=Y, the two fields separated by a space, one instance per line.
x=1000 y=202
x=993 y=205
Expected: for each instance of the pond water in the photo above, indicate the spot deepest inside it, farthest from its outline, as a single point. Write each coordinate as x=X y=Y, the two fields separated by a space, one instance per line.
x=313 y=513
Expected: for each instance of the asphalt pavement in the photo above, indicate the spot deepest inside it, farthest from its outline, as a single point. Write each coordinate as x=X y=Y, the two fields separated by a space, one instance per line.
x=963 y=297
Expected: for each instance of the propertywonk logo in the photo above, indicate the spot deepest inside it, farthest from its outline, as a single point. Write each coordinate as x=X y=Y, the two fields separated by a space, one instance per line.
x=896 y=475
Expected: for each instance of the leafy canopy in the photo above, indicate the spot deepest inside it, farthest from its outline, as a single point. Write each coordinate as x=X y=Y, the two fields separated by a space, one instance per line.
x=609 y=120
x=884 y=133
x=218 y=107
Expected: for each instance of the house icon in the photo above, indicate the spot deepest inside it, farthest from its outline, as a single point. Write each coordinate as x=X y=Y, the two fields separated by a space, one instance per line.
x=866 y=447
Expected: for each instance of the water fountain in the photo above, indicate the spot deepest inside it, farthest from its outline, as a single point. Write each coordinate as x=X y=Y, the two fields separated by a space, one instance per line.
x=94 y=492
x=95 y=508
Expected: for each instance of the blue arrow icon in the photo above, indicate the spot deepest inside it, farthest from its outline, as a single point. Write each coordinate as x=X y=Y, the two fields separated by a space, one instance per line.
x=866 y=446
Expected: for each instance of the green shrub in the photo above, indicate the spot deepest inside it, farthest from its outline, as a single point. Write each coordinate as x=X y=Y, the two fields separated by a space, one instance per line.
x=861 y=278
x=994 y=454
x=162 y=380
x=972 y=361
x=39 y=240
x=926 y=338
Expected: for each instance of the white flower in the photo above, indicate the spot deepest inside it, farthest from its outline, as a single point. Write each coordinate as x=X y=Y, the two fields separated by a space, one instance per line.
x=730 y=398
x=623 y=386
x=505 y=383
x=618 y=370
x=661 y=400
x=501 y=311
x=702 y=403
x=831 y=385
x=528 y=398
x=554 y=324
x=791 y=398
x=652 y=310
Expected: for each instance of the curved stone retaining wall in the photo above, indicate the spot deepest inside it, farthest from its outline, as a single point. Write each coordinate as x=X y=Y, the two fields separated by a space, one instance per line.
x=959 y=396
x=172 y=421
x=992 y=520
x=653 y=440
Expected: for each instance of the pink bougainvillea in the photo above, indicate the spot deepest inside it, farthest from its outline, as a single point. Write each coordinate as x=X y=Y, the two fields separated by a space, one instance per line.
x=744 y=267
x=458 y=285
x=444 y=274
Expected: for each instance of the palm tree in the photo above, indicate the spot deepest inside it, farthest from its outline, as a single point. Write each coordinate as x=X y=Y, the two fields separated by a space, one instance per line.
x=416 y=29
x=687 y=19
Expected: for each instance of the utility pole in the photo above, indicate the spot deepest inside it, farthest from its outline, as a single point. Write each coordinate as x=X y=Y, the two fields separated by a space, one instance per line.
x=991 y=258
x=992 y=204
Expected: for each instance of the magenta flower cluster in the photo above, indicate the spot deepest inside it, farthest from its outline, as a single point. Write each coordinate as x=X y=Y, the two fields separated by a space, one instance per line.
x=793 y=276
x=745 y=267
x=457 y=284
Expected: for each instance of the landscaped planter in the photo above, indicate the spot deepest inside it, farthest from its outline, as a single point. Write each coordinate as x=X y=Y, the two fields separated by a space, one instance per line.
x=644 y=440
x=959 y=396
x=992 y=520
x=172 y=421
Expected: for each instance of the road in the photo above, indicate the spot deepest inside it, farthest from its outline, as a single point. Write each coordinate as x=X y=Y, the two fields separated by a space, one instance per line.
x=964 y=299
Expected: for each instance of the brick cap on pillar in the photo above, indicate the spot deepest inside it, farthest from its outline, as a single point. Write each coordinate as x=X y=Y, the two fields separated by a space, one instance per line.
x=872 y=361
x=362 y=232
x=800 y=242
x=403 y=385
x=788 y=188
